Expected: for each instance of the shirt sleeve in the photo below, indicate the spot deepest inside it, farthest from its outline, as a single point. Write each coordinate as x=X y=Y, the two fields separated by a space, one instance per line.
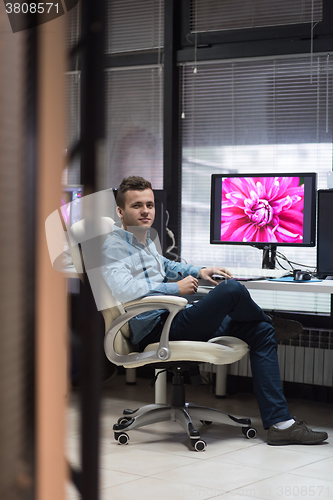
x=179 y=270
x=117 y=271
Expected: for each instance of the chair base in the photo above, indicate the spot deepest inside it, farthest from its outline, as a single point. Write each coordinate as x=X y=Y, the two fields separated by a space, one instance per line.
x=180 y=412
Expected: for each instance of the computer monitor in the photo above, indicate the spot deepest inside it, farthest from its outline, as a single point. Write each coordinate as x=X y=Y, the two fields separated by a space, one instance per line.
x=264 y=211
x=324 y=233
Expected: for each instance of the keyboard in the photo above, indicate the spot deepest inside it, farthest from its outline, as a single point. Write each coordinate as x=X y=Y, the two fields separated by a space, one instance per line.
x=218 y=277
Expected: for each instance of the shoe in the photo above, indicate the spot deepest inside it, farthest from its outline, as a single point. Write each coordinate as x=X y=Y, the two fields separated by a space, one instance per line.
x=285 y=329
x=297 y=433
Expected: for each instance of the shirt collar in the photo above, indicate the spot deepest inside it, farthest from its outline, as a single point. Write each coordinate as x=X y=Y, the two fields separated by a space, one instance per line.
x=126 y=235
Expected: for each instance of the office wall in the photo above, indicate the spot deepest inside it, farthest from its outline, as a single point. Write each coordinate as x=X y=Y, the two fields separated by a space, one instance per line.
x=31 y=300
x=51 y=320
x=15 y=473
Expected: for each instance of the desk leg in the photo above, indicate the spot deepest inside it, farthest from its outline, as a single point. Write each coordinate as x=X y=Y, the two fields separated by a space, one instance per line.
x=130 y=376
x=161 y=388
x=221 y=381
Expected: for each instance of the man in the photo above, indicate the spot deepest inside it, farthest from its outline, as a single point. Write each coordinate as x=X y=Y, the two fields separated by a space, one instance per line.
x=133 y=268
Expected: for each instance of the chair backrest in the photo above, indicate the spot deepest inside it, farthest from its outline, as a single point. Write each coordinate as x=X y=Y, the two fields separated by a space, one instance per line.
x=85 y=245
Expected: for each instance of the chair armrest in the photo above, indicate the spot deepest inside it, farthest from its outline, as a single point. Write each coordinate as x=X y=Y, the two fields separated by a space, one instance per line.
x=158 y=299
x=172 y=303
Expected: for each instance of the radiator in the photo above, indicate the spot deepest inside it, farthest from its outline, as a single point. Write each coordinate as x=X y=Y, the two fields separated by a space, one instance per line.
x=307 y=359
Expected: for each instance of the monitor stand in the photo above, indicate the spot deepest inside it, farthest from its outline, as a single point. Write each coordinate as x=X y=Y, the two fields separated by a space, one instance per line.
x=268 y=257
x=324 y=276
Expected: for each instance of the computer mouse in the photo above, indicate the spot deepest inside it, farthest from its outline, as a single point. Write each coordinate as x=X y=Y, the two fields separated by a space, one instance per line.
x=302 y=276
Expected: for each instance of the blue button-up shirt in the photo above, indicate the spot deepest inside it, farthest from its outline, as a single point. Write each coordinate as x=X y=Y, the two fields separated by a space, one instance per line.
x=133 y=270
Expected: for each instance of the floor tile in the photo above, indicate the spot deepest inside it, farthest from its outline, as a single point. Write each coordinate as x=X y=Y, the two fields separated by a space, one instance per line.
x=142 y=462
x=277 y=459
x=152 y=489
x=288 y=486
x=159 y=461
x=322 y=469
x=112 y=478
x=216 y=475
x=180 y=445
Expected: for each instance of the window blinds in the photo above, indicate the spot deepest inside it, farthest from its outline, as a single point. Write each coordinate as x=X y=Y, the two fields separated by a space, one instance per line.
x=214 y=15
x=267 y=115
x=134 y=26
x=73 y=26
x=134 y=96
x=130 y=26
x=134 y=124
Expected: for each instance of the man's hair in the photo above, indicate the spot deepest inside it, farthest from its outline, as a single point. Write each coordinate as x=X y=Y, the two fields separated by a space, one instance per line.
x=132 y=183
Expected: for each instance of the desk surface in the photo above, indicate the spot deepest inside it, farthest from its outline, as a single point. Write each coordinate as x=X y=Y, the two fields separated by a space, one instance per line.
x=325 y=286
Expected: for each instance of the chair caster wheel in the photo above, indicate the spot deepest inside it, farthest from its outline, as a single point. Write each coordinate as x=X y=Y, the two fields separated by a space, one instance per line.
x=206 y=422
x=122 y=438
x=249 y=432
x=123 y=420
x=199 y=445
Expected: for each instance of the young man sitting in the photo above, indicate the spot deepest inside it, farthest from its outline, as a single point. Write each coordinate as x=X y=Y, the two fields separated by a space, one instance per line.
x=133 y=268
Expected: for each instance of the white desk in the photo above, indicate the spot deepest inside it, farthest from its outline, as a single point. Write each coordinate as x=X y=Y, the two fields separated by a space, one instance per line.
x=325 y=286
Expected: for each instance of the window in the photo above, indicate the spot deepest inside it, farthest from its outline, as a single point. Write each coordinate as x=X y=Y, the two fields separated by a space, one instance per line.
x=214 y=15
x=252 y=115
x=134 y=124
x=134 y=26
x=134 y=95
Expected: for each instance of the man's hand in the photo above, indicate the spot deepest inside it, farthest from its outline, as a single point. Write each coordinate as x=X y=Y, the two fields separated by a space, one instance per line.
x=206 y=273
x=188 y=285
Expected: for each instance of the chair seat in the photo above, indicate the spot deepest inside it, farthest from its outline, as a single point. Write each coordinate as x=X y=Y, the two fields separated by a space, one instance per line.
x=218 y=351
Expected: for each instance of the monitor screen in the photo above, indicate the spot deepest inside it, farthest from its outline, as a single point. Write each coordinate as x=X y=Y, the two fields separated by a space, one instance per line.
x=263 y=209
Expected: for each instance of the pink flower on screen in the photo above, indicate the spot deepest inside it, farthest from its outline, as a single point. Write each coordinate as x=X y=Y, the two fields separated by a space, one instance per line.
x=262 y=209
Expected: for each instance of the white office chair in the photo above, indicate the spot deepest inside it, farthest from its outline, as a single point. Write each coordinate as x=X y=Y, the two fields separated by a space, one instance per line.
x=176 y=356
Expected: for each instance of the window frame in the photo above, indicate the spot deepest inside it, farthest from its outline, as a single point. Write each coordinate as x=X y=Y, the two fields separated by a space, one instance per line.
x=299 y=34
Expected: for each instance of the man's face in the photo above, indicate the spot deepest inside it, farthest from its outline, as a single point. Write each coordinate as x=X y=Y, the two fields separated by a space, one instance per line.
x=139 y=209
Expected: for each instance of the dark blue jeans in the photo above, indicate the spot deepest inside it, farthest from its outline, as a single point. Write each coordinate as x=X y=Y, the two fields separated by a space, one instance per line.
x=229 y=310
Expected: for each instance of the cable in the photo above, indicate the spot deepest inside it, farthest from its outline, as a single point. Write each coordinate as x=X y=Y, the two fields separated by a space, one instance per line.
x=171 y=247
x=170 y=234
x=290 y=262
x=280 y=255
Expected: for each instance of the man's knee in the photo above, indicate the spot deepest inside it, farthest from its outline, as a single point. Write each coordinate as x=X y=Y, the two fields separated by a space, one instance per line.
x=232 y=286
x=261 y=334
x=231 y=292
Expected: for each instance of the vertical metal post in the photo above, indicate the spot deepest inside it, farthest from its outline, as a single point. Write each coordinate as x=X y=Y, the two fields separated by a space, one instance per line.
x=30 y=182
x=91 y=140
x=171 y=144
